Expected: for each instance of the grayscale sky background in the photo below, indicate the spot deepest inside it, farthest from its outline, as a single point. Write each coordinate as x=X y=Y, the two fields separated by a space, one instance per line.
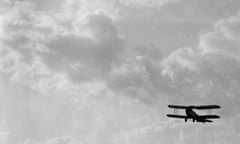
x=104 y=71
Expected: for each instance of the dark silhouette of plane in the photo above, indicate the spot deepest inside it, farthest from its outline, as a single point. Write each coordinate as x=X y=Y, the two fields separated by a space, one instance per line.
x=190 y=114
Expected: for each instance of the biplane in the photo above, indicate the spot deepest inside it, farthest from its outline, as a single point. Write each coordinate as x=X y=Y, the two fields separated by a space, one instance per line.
x=191 y=114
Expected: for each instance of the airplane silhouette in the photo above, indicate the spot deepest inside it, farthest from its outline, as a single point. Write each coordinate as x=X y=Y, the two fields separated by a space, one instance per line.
x=190 y=114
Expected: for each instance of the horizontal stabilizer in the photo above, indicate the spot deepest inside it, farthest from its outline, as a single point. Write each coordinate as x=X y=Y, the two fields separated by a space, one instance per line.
x=204 y=120
x=177 y=116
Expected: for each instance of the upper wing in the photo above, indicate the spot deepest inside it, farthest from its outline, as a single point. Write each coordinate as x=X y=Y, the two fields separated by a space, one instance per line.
x=177 y=106
x=177 y=116
x=208 y=116
x=206 y=107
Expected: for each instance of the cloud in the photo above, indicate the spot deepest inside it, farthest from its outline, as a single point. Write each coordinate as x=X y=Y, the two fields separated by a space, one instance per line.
x=76 y=43
x=79 y=42
x=209 y=72
x=74 y=56
x=223 y=39
x=103 y=42
x=130 y=3
x=181 y=59
x=145 y=3
x=118 y=93
x=57 y=140
x=84 y=45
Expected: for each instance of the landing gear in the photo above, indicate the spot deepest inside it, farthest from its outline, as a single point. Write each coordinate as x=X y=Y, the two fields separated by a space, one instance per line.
x=185 y=119
x=193 y=120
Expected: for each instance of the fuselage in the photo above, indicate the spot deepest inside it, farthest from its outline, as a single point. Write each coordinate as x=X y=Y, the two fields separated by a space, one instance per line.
x=194 y=116
x=190 y=113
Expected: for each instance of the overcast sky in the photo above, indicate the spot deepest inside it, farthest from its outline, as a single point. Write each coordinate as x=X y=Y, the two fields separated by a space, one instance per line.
x=104 y=71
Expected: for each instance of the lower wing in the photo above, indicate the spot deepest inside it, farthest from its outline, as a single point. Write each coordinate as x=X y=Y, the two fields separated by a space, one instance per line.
x=177 y=116
x=208 y=116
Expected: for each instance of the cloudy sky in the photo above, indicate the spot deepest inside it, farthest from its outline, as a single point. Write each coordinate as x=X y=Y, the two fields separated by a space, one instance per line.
x=104 y=71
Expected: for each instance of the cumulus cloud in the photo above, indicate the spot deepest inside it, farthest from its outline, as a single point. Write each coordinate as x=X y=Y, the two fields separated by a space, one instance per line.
x=84 y=46
x=210 y=70
x=79 y=42
x=57 y=140
x=145 y=3
x=118 y=92
x=74 y=53
x=130 y=3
